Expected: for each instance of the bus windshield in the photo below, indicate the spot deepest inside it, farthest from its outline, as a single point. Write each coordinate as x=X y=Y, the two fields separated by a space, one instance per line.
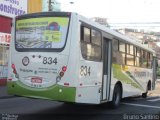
x=41 y=33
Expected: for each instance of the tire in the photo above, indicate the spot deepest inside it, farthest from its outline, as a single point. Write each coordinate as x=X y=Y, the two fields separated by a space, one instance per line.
x=117 y=95
x=144 y=95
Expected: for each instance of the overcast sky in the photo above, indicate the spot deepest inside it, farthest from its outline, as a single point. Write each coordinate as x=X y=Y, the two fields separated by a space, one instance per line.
x=116 y=10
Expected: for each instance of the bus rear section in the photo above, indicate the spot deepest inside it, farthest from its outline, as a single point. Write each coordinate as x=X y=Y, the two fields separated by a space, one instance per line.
x=39 y=57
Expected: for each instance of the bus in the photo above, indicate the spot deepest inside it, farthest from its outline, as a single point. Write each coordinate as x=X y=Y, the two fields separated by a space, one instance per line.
x=63 y=56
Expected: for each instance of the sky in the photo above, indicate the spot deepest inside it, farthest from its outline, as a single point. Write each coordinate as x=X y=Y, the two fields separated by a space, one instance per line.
x=116 y=11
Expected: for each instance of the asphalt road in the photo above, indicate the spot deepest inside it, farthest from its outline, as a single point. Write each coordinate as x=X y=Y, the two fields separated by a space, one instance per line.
x=135 y=108
x=26 y=108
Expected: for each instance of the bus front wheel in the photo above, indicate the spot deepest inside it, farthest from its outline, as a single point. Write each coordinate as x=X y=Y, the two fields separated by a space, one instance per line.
x=117 y=95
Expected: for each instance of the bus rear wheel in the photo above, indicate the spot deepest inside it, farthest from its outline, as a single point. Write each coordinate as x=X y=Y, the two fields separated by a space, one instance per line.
x=144 y=95
x=117 y=95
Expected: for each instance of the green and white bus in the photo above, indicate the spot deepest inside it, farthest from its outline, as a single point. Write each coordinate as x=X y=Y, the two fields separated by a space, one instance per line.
x=63 y=56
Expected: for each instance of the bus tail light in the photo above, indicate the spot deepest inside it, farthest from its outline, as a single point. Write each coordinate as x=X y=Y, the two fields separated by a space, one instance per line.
x=58 y=79
x=61 y=74
x=64 y=68
x=14 y=70
x=13 y=66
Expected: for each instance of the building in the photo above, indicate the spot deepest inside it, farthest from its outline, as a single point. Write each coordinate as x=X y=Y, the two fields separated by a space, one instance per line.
x=32 y=7
x=43 y=6
x=102 y=21
x=148 y=38
x=8 y=9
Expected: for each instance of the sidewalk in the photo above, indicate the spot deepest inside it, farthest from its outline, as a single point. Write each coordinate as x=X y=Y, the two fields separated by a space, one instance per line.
x=155 y=92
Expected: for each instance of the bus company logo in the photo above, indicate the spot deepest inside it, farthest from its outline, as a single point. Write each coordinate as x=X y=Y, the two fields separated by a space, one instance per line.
x=54 y=26
x=25 y=61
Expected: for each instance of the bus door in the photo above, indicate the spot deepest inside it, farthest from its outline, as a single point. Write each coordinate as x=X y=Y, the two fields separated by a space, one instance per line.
x=106 y=69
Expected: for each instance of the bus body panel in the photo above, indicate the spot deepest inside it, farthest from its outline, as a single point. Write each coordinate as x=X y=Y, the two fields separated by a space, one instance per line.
x=36 y=73
x=134 y=80
x=89 y=82
x=66 y=76
x=39 y=75
x=55 y=92
x=88 y=94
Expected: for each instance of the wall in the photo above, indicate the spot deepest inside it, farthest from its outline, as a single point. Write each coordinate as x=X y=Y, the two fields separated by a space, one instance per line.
x=42 y=6
x=34 y=6
x=8 y=10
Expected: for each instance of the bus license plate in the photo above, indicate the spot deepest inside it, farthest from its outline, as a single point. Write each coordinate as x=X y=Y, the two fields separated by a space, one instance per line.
x=36 y=80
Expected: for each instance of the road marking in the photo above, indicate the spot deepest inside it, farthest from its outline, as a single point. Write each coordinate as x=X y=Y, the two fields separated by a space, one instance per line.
x=140 y=105
x=154 y=100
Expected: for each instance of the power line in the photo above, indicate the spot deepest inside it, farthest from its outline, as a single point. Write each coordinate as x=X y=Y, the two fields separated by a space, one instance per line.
x=138 y=23
x=133 y=26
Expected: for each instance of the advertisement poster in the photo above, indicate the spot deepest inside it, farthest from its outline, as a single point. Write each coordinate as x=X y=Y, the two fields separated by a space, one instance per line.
x=5 y=38
x=47 y=32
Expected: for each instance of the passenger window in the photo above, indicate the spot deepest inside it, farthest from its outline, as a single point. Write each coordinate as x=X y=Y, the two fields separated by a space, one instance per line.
x=91 y=44
x=87 y=34
x=138 y=52
x=131 y=50
x=96 y=37
x=115 y=45
x=122 y=47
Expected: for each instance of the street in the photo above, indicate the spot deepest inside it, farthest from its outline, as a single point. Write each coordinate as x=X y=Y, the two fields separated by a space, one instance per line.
x=134 y=107
x=37 y=108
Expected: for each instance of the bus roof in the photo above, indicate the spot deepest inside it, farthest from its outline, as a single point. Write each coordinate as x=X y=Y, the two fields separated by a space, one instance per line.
x=116 y=35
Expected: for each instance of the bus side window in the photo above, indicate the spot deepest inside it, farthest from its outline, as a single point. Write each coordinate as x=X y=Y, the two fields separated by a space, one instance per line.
x=130 y=55
x=149 y=60
x=122 y=53
x=137 y=57
x=91 y=44
x=87 y=35
x=85 y=42
x=96 y=37
x=144 y=58
x=115 y=51
x=96 y=44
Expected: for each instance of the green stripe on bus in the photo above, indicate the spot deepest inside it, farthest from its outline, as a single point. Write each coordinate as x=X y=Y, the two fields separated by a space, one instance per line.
x=118 y=74
x=55 y=92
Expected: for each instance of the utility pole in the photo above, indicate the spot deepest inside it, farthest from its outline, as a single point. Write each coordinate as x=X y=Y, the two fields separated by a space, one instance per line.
x=49 y=5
